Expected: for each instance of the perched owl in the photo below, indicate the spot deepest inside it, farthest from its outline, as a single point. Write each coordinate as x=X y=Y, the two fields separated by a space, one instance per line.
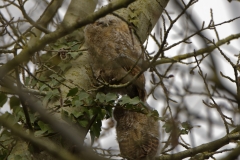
x=137 y=134
x=115 y=51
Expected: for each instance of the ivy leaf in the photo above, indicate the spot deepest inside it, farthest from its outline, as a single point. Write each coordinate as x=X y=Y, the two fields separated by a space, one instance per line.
x=102 y=113
x=83 y=95
x=33 y=82
x=154 y=114
x=89 y=101
x=183 y=131
x=77 y=113
x=45 y=127
x=108 y=110
x=187 y=125
x=76 y=102
x=128 y=100
x=50 y=94
x=74 y=55
x=14 y=102
x=39 y=133
x=110 y=97
x=83 y=123
x=3 y=99
x=72 y=92
x=135 y=101
x=47 y=97
x=168 y=127
x=101 y=97
x=43 y=87
x=42 y=126
x=92 y=112
x=27 y=80
x=95 y=130
x=125 y=100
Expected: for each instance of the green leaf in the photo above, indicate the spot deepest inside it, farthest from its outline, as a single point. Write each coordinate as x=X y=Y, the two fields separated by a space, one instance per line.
x=3 y=99
x=128 y=100
x=101 y=97
x=108 y=110
x=72 y=92
x=45 y=127
x=43 y=87
x=83 y=95
x=77 y=103
x=42 y=126
x=74 y=55
x=125 y=100
x=135 y=100
x=110 y=97
x=83 y=123
x=47 y=97
x=102 y=113
x=33 y=82
x=96 y=129
x=50 y=94
x=154 y=114
x=89 y=101
x=75 y=47
x=54 y=76
x=27 y=80
x=77 y=113
x=183 y=131
x=14 y=102
x=168 y=127
x=187 y=125
x=92 y=112
x=39 y=133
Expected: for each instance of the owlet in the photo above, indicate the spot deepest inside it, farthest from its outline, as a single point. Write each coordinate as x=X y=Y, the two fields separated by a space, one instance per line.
x=115 y=51
x=137 y=134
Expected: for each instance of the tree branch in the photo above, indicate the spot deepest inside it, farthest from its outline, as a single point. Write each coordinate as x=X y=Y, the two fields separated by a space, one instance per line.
x=198 y=52
x=211 y=146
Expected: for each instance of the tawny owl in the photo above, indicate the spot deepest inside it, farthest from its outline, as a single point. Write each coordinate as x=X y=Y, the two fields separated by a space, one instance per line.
x=115 y=51
x=137 y=134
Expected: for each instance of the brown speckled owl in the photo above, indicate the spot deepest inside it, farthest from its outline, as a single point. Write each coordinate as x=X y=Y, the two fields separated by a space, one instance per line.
x=137 y=134
x=115 y=51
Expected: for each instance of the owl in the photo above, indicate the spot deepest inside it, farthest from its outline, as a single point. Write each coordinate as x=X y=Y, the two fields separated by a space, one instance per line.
x=115 y=55
x=137 y=134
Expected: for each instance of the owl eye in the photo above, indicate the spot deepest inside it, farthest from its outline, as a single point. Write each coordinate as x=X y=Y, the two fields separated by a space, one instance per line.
x=99 y=23
x=102 y=24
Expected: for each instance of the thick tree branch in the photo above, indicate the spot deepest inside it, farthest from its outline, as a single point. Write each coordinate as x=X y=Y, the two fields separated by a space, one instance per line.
x=143 y=15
